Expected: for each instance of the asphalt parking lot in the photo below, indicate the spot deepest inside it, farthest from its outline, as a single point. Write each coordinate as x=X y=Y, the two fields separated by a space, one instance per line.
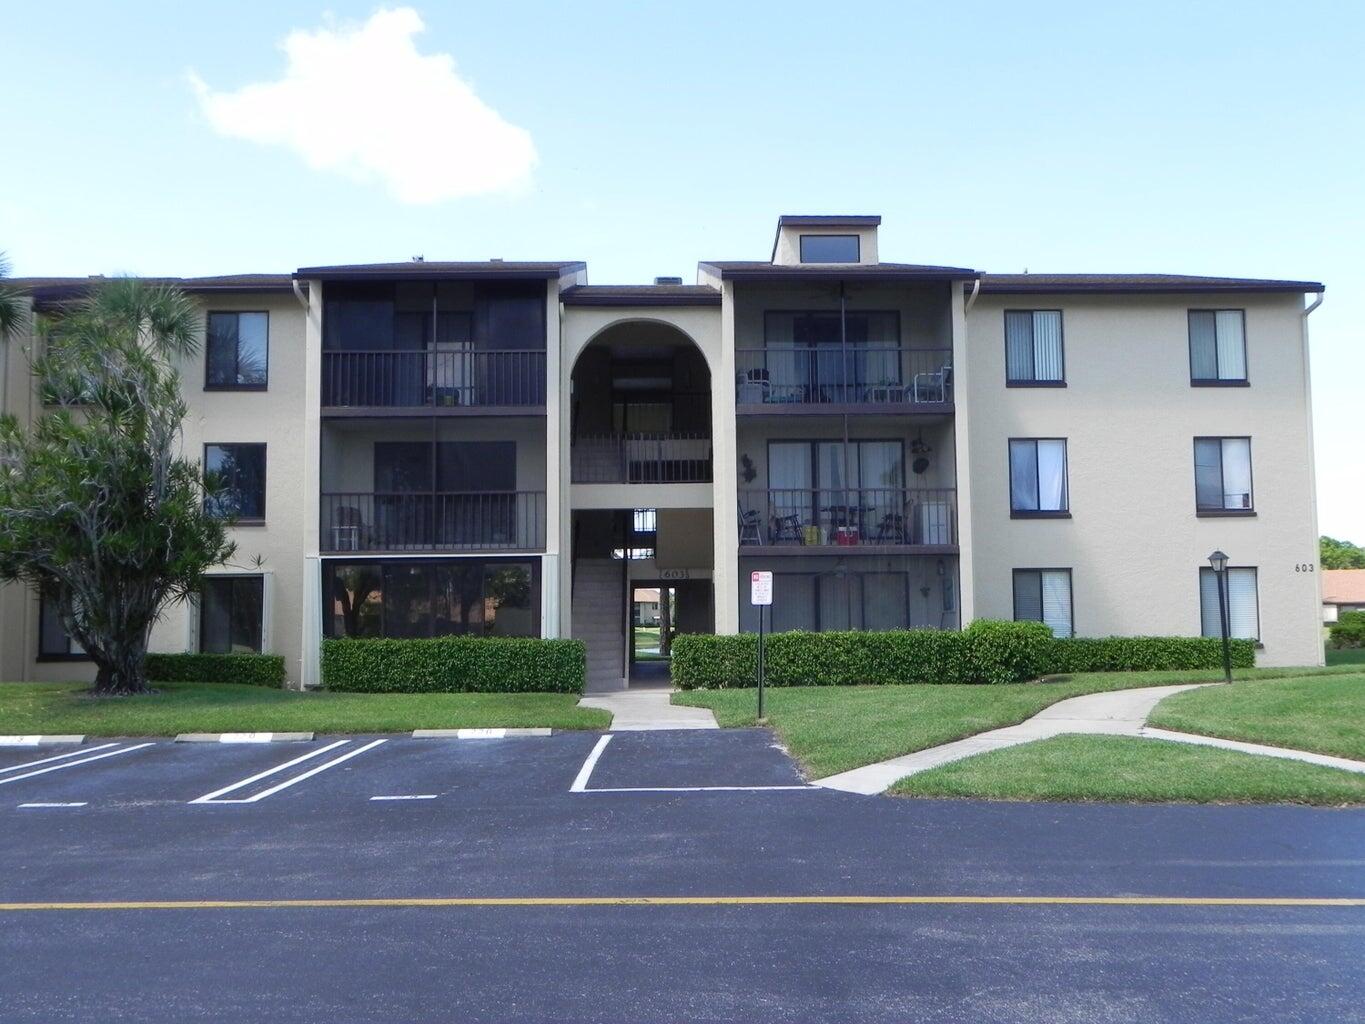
x=391 y=878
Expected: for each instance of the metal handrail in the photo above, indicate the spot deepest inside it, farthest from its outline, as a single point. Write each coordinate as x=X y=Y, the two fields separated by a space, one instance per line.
x=432 y=520
x=641 y=458
x=436 y=377
x=843 y=374
x=848 y=516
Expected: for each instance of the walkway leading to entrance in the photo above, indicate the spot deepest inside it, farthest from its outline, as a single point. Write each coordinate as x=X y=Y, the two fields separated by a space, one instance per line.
x=635 y=710
x=1120 y=713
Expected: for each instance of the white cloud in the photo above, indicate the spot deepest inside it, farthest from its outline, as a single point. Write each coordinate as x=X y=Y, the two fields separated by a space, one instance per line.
x=358 y=99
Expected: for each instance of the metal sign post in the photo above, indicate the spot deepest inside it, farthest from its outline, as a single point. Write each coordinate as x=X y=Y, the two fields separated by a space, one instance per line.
x=761 y=597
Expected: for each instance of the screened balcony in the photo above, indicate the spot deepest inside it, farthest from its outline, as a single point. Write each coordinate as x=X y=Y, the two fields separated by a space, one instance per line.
x=792 y=517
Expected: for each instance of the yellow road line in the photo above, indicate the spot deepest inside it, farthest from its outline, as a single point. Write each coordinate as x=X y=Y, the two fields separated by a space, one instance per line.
x=693 y=901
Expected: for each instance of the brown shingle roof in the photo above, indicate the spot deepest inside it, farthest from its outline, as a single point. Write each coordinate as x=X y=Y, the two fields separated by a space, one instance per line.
x=427 y=269
x=1023 y=283
x=641 y=295
x=741 y=269
x=827 y=220
x=1343 y=586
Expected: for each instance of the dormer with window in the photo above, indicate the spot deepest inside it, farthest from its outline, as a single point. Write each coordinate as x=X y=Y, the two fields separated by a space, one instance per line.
x=825 y=240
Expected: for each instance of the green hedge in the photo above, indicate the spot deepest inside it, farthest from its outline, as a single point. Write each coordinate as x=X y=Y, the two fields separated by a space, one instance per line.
x=253 y=669
x=454 y=664
x=1145 y=653
x=985 y=652
x=1348 y=630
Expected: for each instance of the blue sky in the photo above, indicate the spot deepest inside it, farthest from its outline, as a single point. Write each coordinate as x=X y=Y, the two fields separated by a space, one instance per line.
x=1211 y=138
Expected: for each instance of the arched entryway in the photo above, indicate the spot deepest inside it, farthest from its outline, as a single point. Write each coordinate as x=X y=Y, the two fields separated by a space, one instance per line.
x=641 y=468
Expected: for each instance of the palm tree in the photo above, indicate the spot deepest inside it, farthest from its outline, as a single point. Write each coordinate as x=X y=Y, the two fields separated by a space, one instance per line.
x=11 y=302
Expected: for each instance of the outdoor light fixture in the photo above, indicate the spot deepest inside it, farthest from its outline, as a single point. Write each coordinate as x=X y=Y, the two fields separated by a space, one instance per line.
x=1218 y=561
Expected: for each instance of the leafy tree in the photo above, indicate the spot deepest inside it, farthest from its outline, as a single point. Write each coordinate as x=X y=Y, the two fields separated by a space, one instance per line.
x=97 y=508
x=1340 y=554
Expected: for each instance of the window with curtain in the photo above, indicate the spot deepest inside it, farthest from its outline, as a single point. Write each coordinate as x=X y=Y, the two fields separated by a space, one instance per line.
x=236 y=351
x=1222 y=474
x=1038 y=476
x=235 y=474
x=1244 y=617
x=814 y=356
x=231 y=614
x=1044 y=595
x=1033 y=347
x=1218 y=352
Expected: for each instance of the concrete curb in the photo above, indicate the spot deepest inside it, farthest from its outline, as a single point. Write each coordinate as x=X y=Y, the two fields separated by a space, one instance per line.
x=475 y=734
x=243 y=737
x=38 y=741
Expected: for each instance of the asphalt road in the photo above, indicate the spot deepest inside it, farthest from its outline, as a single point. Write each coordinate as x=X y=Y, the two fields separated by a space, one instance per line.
x=496 y=819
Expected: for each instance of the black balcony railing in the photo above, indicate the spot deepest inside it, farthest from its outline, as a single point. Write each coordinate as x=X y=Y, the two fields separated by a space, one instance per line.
x=439 y=378
x=843 y=375
x=466 y=521
x=641 y=459
x=851 y=517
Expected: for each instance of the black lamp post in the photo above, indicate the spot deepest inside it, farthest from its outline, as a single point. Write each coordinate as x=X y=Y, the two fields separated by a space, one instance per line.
x=1219 y=563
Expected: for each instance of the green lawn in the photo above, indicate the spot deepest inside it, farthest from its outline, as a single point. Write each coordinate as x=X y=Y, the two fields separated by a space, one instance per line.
x=647 y=644
x=28 y=708
x=831 y=729
x=1125 y=768
x=1351 y=656
x=1325 y=714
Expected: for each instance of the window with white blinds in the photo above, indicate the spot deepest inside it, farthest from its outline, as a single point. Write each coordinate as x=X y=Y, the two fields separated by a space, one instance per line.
x=1222 y=474
x=1044 y=595
x=1218 y=352
x=1244 y=618
x=1033 y=347
x=1038 y=476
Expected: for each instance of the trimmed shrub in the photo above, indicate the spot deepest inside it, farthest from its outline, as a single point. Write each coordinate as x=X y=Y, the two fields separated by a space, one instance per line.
x=985 y=652
x=1145 y=653
x=1005 y=652
x=1348 y=630
x=252 y=669
x=454 y=664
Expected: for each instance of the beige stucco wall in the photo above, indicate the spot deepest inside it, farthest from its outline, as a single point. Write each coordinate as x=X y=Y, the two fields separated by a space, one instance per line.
x=1134 y=544
x=275 y=417
x=787 y=251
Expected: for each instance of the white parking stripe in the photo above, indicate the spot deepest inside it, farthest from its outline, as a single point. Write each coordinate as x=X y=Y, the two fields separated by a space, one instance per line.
x=78 y=803
x=211 y=797
x=57 y=757
x=580 y=784
x=73 y=764
x=296 y=779
x=694 y=789
x=411 y=796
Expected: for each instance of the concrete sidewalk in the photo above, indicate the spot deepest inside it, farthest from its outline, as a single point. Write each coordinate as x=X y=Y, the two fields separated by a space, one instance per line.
x=1116 y=713
x=637 y=710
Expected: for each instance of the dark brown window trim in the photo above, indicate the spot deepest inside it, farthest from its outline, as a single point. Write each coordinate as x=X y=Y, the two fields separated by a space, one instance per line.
x=1061 y=319
x=1036 y=513
x=236 y=387
x=49 y=656
x=204 y=461
x=245 y=522
x=1217 y=382
x=208 y=315
x=857 y=246
x=1216 y=511
x=1070 y=588
x=1016 y=514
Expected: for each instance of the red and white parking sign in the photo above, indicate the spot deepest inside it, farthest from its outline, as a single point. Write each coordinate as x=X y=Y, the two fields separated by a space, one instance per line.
x=760 y=587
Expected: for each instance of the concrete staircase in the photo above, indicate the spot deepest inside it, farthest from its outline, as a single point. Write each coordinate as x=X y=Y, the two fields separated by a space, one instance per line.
x=599 y=621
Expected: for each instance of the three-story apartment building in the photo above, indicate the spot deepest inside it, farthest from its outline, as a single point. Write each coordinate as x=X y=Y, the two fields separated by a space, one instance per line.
x=501 y=448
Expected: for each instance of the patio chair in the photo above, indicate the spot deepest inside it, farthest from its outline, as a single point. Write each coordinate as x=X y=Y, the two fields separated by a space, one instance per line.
x=750 y=527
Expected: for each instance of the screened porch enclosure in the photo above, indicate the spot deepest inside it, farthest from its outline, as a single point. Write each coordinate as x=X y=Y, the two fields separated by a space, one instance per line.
x=865 y=592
